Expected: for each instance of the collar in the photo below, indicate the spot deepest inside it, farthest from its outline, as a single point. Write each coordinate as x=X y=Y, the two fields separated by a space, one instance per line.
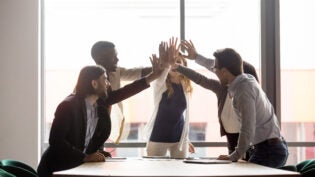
x=88 y=105
x=234 y=84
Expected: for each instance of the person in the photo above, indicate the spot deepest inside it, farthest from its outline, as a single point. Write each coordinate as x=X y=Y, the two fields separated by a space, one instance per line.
x=259 y=125
x=228 y=119
x=82 y=123
x=104 y=53
x=167 y=130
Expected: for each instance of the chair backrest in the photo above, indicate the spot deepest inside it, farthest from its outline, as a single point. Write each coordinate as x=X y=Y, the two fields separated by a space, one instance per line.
x=3 y=173
x=17 y=168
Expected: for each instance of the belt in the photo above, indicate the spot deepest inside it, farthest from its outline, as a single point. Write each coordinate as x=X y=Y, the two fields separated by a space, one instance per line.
x=271 y=141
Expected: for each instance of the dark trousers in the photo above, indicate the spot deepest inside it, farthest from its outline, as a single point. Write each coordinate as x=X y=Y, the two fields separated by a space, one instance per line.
x=272 y=153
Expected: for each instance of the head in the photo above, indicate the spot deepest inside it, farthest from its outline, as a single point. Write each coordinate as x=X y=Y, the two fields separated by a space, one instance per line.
x=250 y=69
x=228 y=65
x=104 y=54
x=183 y=79
x=181 y=61
x=92 y=80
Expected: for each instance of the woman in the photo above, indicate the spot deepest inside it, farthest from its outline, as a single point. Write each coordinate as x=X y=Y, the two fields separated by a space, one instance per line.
x=168 y=128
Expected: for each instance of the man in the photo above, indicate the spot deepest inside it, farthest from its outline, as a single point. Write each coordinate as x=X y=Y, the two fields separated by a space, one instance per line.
x=228 y=119
x=82 y=123
x=104 y=54
x=259 y=126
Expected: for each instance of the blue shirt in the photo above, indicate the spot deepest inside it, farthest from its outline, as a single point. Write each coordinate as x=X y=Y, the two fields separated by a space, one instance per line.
x=169 y=122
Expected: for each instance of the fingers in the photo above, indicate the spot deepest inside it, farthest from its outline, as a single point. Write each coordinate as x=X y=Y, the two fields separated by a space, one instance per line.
x=191 y=148
x=100 y=157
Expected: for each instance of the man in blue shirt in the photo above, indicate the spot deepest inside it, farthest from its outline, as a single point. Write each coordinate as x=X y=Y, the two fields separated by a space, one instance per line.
x=259 y=125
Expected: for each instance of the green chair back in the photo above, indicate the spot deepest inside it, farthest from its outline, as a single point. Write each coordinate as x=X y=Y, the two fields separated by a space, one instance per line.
x=18 y=169
x=5 y=174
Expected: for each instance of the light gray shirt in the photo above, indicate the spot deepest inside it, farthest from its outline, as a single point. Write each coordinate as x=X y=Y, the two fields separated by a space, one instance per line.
x=206 y=62
x=258 y=120
x=91 y=122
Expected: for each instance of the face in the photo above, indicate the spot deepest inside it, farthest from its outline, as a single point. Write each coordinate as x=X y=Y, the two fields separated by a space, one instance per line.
x=101 y=85
x=220 y=73
x=108 y=59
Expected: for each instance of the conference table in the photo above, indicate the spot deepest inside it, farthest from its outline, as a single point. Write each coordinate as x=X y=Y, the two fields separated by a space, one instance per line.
x=131 y=167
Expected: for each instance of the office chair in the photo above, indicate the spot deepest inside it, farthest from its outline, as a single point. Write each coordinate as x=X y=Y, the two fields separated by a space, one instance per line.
x=17 y=169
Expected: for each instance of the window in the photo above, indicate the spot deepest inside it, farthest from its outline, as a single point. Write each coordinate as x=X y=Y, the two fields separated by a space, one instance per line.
x=298 y=75
x=136 y=27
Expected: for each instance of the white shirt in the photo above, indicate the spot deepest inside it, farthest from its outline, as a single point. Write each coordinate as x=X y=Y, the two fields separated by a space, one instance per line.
x=230 y=120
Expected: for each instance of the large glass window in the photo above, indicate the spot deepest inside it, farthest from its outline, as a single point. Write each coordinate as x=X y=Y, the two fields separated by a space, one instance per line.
x=212 y=25
x=71 y=27
x=297 y=36
x=136 y=27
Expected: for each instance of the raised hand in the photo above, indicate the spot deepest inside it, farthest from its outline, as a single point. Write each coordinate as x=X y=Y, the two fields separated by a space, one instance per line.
x=157 y=67
x=163 y=53
x=173 y=50
x=190 y=48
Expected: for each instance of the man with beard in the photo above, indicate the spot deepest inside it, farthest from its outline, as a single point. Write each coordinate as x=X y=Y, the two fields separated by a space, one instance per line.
x=104 y=53
x=259 y=125
x=82 y=123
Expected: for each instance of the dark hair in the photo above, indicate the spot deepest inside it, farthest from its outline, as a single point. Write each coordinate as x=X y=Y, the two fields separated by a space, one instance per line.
x=229 y=59
x=99 y=46
x=87 y=74
x=250 y=69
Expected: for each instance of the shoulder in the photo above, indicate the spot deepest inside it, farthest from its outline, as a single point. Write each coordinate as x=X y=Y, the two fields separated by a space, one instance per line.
x=70 y=102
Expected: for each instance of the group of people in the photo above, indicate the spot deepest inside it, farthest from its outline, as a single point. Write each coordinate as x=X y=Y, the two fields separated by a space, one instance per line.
x=83 y=120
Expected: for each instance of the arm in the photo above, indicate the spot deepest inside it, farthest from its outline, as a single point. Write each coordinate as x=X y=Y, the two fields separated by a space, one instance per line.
x=134 y=73
x=131 y=74
x=245 y=104
x=135 y=87
x=205 y=62
x=125 y=92
x=145 y=71
x=211 y=84
x=193 y=55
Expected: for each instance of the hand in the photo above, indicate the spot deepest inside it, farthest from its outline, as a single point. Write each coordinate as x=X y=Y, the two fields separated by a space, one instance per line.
x=224 y=157
x=106 y=154
x=173 y=51
x=157 y=69
x=95 y=157
x=191 y=148
x=163 y=53
x=190 y=48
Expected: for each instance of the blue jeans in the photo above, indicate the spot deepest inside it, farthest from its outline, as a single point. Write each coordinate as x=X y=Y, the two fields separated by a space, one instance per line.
x=271 y=154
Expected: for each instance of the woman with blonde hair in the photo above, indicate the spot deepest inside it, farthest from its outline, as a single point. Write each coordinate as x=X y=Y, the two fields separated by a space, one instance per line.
x=168 y=127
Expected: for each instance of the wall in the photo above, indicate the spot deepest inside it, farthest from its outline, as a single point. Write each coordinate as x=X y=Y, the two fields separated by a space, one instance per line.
x=19 y=137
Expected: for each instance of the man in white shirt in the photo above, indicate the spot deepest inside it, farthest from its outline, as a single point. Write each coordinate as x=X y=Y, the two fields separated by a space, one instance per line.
x=105 y=54
x=259 y=125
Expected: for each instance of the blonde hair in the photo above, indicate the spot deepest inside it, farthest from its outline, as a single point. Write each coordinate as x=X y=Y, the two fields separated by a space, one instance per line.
x=185 y=82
